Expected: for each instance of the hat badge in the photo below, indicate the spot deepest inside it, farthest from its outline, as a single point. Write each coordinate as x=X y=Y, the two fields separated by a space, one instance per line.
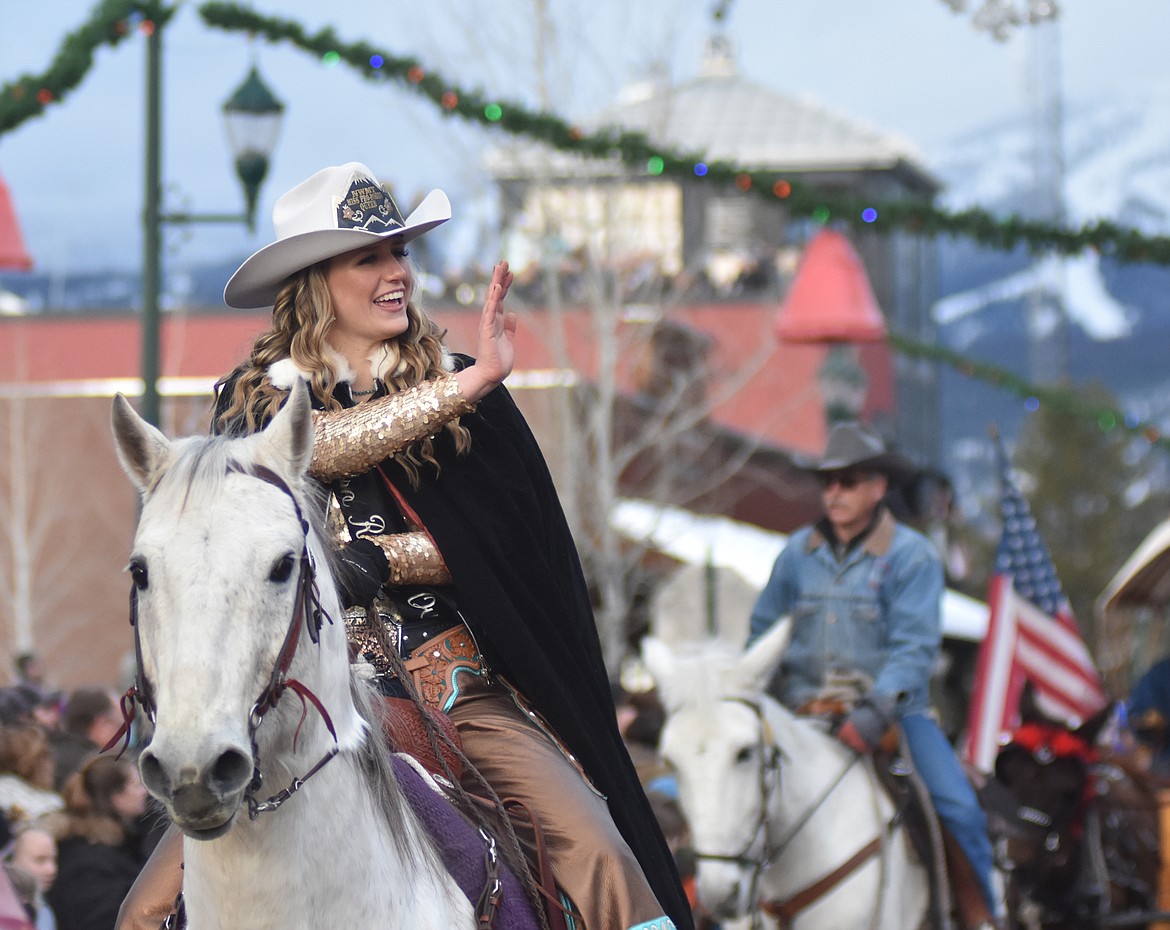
x=367 y=205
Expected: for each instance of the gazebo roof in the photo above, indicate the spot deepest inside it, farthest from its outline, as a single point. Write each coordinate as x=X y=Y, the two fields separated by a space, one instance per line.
x=726 y=117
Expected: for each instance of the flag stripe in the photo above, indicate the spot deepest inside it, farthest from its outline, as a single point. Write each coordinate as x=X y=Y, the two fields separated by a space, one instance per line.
x=1057 y=682
x=1066 y=642
x=992 y=676
x=1056 y=671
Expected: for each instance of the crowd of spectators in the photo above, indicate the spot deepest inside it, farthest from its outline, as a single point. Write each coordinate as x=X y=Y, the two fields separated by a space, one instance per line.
x=76 y=825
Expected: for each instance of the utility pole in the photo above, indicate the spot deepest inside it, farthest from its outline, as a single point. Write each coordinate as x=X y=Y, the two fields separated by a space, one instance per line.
x=1047 y=314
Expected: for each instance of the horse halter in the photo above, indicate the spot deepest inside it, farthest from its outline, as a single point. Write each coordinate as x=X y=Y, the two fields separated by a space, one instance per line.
x=768 y=779
x=307 y=602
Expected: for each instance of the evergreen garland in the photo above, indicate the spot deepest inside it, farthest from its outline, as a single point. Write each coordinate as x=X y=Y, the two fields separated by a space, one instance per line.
x=637 y=152
x=113 y=20
x=110 y=22
x=1064 y=399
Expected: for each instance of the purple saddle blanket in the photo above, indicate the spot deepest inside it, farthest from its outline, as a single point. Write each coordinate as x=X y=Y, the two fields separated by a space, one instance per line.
x=462 y=849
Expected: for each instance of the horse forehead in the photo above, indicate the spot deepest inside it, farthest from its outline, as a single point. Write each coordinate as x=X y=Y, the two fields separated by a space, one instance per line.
x=240 y=506
x=705 y=728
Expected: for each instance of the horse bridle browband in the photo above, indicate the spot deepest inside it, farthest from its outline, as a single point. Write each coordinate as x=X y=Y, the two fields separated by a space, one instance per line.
x=307 y=603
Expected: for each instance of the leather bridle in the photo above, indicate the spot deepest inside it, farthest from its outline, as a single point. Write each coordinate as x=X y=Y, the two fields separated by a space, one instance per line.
x=768 y=779
x=307 y=603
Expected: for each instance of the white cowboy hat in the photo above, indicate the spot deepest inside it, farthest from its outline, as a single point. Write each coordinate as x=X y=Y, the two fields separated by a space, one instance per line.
x=336 y=210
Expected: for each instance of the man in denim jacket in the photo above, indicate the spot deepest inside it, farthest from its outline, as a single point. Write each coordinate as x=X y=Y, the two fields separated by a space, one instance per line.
x=864 y=594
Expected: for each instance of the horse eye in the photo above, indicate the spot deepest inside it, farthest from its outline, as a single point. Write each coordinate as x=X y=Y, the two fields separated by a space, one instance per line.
x=282 y=570
x=137 y=570
x=744 y=755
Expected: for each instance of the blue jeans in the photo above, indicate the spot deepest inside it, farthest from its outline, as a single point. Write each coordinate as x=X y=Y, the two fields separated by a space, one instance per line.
x=954 y=798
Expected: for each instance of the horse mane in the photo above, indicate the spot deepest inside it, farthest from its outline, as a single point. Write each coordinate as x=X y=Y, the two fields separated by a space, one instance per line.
x=376 y=762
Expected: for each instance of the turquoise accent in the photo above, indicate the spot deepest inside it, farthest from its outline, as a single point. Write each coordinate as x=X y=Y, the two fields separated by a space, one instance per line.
x=660 y=923
x=450 y=702
x=567 y=903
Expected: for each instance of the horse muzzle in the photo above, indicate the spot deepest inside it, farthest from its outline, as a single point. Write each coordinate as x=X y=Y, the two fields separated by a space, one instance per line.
x=202 y=799
x=724 y=890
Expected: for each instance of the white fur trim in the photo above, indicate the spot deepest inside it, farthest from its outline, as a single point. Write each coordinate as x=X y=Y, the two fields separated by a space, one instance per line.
x=285 y=374
x=380 y=364
x=341 y=367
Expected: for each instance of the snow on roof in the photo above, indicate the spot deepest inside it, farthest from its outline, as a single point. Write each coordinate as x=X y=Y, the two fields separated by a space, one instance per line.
x=749 y=551
x=728 y=118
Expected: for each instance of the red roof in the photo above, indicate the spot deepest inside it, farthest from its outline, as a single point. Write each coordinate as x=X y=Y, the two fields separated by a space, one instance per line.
x=830 y=299
x=13 y=255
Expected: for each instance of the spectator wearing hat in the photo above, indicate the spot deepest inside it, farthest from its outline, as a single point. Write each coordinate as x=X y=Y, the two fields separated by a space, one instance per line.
x=864 y=593
x=90 y=720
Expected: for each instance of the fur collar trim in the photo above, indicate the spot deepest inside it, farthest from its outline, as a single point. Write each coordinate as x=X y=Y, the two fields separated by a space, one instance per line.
x=285 y=373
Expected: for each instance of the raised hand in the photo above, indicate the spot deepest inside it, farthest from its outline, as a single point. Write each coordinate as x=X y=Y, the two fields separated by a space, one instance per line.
x=496 y=349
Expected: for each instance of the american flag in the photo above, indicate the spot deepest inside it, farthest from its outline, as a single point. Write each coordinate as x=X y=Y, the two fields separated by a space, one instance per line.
x=1031 y=636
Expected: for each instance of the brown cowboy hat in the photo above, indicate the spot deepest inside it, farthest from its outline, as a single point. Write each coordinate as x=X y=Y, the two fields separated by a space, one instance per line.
x=851 y=445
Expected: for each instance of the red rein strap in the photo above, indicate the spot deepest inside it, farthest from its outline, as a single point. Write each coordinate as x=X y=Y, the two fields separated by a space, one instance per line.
x=306 y=695
x=126 y=705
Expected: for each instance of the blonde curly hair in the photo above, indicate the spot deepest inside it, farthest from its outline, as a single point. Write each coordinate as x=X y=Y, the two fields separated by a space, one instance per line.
x=301 y=319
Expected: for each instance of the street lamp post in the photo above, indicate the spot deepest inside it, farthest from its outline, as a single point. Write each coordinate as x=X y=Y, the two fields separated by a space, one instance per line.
x=253 y=117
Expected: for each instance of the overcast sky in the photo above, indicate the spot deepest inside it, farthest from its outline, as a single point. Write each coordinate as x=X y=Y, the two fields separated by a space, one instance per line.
x=912 y=68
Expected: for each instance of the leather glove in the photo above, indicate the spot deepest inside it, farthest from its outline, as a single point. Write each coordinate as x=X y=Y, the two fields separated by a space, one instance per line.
x=862 y=728
x=364 y=568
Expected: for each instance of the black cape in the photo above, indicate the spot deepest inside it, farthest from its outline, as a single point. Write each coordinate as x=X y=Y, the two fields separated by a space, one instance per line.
x=496 y=518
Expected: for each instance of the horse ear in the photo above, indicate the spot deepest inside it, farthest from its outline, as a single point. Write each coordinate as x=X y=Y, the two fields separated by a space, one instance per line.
x=756 y=667
x=141 y=448
x=290 y=434
x=659 y=660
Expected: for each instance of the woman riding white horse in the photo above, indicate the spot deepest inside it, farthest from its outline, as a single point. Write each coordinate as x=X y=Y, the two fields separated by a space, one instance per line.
x=230 y=590
x=462 y=563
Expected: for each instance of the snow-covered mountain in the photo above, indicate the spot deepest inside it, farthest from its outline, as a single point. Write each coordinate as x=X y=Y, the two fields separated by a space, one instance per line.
x=1117 y=167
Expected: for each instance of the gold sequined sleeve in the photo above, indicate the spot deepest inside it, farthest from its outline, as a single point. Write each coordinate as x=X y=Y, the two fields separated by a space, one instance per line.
x=351 y=441
x=413 y=559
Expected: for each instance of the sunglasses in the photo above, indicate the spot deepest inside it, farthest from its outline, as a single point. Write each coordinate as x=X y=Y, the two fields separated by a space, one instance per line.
x=847 y=480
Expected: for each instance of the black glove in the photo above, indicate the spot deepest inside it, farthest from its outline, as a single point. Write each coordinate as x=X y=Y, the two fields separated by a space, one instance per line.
x=865 y=725
x=364 y=567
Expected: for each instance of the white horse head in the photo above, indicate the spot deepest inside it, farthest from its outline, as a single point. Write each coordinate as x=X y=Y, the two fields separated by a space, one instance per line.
x=774 y=803
x=218 y=550
x=717 y=745
x=236 y=606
